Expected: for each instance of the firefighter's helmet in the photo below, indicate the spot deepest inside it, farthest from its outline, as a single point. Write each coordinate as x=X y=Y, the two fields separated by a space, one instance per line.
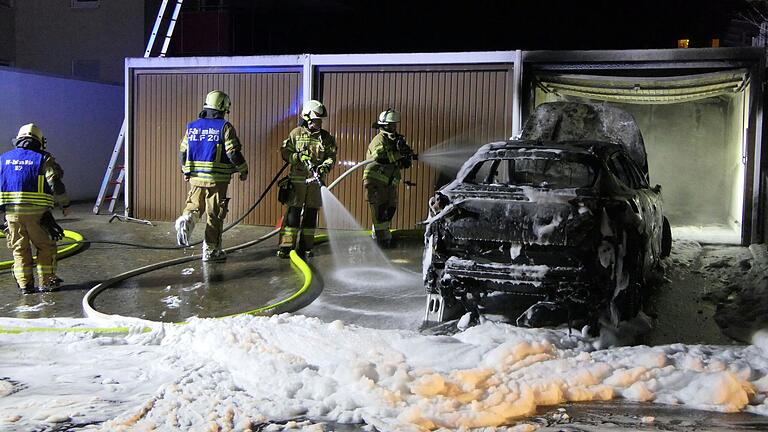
x=388 y=116
x=313 y=110
x=217 y=100
x=30 y=130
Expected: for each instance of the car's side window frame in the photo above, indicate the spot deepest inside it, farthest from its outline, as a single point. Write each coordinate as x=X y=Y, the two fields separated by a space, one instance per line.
x=640 y=179
x=619 y=170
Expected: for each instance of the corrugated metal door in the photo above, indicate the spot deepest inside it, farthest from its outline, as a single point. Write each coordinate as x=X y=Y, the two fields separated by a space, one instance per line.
x=453 y=110
x=265 y=107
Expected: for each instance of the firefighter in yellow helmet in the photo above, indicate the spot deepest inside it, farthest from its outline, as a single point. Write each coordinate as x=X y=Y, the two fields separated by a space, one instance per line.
x=30 y=186
x=311 y=152
x=209 y=154
x=391 y=154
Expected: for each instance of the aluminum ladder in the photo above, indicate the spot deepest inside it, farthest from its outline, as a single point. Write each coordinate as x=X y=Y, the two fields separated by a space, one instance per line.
x=115 y=175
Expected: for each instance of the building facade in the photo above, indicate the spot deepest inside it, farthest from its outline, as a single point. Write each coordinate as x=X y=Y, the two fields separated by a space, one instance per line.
x=86 y=39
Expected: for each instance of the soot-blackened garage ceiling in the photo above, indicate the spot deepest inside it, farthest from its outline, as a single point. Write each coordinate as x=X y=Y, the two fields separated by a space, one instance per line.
x=645 y=90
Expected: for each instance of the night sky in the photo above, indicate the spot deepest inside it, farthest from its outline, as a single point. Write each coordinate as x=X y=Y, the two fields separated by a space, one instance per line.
x=364 y=26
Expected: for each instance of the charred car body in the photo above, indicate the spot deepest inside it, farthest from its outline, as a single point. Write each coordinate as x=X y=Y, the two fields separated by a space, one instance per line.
x=564 y=219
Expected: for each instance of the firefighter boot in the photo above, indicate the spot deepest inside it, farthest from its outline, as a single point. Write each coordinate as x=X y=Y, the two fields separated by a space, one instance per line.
x=184 y=226
x=213 y=253
x=28 y=289
x=382 y=236
x=50 y=283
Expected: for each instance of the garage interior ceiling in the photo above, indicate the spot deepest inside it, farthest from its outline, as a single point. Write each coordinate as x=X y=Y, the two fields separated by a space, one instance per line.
x=645 y=90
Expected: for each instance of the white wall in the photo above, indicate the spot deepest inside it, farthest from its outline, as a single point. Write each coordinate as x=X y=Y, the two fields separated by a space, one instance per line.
x=80 y=119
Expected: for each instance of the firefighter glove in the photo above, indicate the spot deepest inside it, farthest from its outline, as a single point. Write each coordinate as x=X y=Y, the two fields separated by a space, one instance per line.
x=49 y=225
x=323 y=169
x=243 y=175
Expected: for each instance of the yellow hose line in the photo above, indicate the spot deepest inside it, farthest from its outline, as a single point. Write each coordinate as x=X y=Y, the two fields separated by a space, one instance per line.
x=61 y=253
x=303 y=269
x=111 y=330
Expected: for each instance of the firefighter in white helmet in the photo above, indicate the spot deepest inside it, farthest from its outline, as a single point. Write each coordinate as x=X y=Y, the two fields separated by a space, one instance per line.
x=311 y=152
x=209 y=154
x=381 y=178
x=30 y=186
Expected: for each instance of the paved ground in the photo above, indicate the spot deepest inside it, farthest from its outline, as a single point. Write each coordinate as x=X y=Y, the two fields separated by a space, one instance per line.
x=235 y=282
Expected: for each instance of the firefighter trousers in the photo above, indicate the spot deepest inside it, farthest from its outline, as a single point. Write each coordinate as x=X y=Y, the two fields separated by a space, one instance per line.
x=382 y=200
x=25 y=231
x=294 y=222
x=211 y=202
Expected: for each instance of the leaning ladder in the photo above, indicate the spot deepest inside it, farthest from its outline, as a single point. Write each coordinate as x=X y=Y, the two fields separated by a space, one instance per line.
x=115 y=175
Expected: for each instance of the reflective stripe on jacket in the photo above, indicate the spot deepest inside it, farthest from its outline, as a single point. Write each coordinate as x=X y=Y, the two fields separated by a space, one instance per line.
x=206 y=155
x=22 y=178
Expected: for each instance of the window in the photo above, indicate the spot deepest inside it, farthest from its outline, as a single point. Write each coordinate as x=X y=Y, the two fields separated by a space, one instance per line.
x=532 y=171
x=640 y=179
x=617 y=168
x=84 y=4
x=626 y=171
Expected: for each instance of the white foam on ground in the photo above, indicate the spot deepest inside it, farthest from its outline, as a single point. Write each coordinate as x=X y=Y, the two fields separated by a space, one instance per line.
x=235 y=373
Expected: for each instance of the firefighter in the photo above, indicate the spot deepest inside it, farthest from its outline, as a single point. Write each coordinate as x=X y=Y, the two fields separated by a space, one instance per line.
x=391 y=154
x=311 y=152
x=30 y=186
x=209 y=154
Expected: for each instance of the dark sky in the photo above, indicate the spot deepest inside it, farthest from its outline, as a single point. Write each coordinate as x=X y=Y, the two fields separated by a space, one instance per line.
x=360 y=26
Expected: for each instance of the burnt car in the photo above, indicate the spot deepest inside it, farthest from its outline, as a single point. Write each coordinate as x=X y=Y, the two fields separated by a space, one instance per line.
x=563 y=219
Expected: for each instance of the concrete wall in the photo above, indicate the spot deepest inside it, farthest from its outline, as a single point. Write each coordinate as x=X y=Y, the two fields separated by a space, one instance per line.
x=7 y=43
x=51 y=35
x=80 y=119
x=692 y=153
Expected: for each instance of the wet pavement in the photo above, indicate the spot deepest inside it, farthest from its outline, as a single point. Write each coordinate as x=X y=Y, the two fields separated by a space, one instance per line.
x=237 y=283
x=381 y=297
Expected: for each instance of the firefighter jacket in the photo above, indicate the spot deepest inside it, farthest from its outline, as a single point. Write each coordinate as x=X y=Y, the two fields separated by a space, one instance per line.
x=390 y=154
x=210 y=152
x=30 y=179
x=320 y=146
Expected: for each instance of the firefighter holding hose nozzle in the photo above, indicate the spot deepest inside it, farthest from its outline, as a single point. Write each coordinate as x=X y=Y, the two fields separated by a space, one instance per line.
x=391 y=154
x=311 y=152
